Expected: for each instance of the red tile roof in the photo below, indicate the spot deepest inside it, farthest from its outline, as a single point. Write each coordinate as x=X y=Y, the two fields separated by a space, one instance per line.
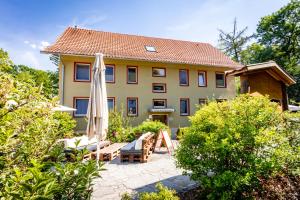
x=76 y=41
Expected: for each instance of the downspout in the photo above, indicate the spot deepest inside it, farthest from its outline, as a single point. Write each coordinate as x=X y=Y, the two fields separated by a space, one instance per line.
x=62 y=99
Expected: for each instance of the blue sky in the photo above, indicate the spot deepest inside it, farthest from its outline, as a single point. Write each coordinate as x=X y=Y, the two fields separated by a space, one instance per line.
x=28 y=26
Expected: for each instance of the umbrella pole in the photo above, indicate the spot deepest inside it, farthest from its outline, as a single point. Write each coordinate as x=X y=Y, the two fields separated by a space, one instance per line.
x=98 y=151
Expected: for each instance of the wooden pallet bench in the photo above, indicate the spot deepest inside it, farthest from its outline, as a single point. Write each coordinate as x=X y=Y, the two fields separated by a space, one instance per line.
x=109 y=153
x=142 y=155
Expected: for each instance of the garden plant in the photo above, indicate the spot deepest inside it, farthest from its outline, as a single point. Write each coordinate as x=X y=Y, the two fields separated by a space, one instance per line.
x=231 y=146
x=33 y=164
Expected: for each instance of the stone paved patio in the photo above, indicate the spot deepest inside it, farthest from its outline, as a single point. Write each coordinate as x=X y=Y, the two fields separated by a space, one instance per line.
x=119 y=178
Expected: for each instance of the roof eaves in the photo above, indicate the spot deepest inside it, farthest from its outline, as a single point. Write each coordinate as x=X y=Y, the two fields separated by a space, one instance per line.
x=272 y=64
x=141 y=59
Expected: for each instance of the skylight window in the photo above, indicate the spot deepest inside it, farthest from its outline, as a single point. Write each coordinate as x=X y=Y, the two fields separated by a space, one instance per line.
x=150 y=48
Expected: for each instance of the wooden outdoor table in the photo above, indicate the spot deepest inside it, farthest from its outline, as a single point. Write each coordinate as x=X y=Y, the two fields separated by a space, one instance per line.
x=110 y=152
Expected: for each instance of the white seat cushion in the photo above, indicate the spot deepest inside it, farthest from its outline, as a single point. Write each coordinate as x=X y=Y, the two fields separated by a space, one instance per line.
x=139 y=142
x=70 y=143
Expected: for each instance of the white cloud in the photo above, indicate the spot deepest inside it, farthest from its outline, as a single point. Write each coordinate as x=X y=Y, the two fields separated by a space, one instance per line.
x=43 y=45
x=33 y=46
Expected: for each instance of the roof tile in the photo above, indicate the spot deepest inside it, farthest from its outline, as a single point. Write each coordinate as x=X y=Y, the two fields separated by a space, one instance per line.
x=76 y=41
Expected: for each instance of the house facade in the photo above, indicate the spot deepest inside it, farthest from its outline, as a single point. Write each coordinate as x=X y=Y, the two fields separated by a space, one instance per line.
x=147 y=78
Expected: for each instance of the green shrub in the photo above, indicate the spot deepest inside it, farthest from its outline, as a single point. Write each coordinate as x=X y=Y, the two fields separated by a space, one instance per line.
x=75 y=179
x=32 y=164
x=119 y=129
x=291 y=130
x=229 y=145
x=51 y=180
x=150 y=126
x=163 y=194
x=180 y=132
x=65 y=124
x=126 y=196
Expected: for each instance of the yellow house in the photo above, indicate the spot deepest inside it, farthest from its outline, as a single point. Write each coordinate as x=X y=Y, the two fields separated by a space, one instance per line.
x=150 y=78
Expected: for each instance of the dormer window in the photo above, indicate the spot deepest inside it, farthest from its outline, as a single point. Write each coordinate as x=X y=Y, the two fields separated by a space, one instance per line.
x=150 y=48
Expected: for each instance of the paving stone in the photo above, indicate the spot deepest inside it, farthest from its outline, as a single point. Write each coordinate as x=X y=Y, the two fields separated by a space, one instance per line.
x=119 y=178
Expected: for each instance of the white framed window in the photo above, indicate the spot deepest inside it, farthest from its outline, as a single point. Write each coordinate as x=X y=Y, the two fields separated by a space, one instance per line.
x=82 y=72
x=159 y=103
x=132 y=74
x=110 y=73
x=111 y=103
x=132 y=106
x=202 y=81
x=81 y=105
x=220 y=80
x=159 y=88
x=184 y=106
x=158 y=72
x=184 y=77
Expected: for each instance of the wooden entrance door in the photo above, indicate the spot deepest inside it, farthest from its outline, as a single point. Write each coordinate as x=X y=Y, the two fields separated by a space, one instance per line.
x=161 y=118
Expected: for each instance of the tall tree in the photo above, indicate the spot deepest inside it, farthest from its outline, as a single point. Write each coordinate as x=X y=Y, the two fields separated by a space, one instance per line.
x=233 y=43
x=278 y=39
x=5 y=61
x=46 y=80
x=281 y=31
x=54 y=59
x=256 y=53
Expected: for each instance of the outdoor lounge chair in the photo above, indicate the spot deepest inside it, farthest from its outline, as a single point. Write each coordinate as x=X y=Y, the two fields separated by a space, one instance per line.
x=89 y=144
x=138 y=150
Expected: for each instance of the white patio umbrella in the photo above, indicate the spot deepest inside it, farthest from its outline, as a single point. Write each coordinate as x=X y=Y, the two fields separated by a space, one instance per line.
x=97 y=112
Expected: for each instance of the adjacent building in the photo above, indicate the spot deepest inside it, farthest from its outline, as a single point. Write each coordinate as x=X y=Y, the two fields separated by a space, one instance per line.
x=147 y=77
x=265 y=79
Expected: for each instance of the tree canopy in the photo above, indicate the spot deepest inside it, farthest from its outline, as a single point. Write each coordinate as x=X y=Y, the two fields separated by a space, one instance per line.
x=277 y=38
x=46 y=80
x=232 y=43
x=281 y=32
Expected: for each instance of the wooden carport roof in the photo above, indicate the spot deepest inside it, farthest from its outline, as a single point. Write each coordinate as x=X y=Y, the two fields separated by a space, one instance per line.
x=270 y=67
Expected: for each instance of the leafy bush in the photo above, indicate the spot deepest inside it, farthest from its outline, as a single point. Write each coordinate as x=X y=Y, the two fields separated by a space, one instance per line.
x=51 y=180
x=150 y=126
x=126 y=196
x=32 y=164
x=180 y=132
x=229 y=145
x=291 y=130
x=163 y=194
x=64 y=124
x=75 y=179
x=119 y=129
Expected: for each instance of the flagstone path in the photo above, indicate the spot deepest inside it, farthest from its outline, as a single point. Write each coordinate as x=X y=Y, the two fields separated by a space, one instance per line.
x=119 y=178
